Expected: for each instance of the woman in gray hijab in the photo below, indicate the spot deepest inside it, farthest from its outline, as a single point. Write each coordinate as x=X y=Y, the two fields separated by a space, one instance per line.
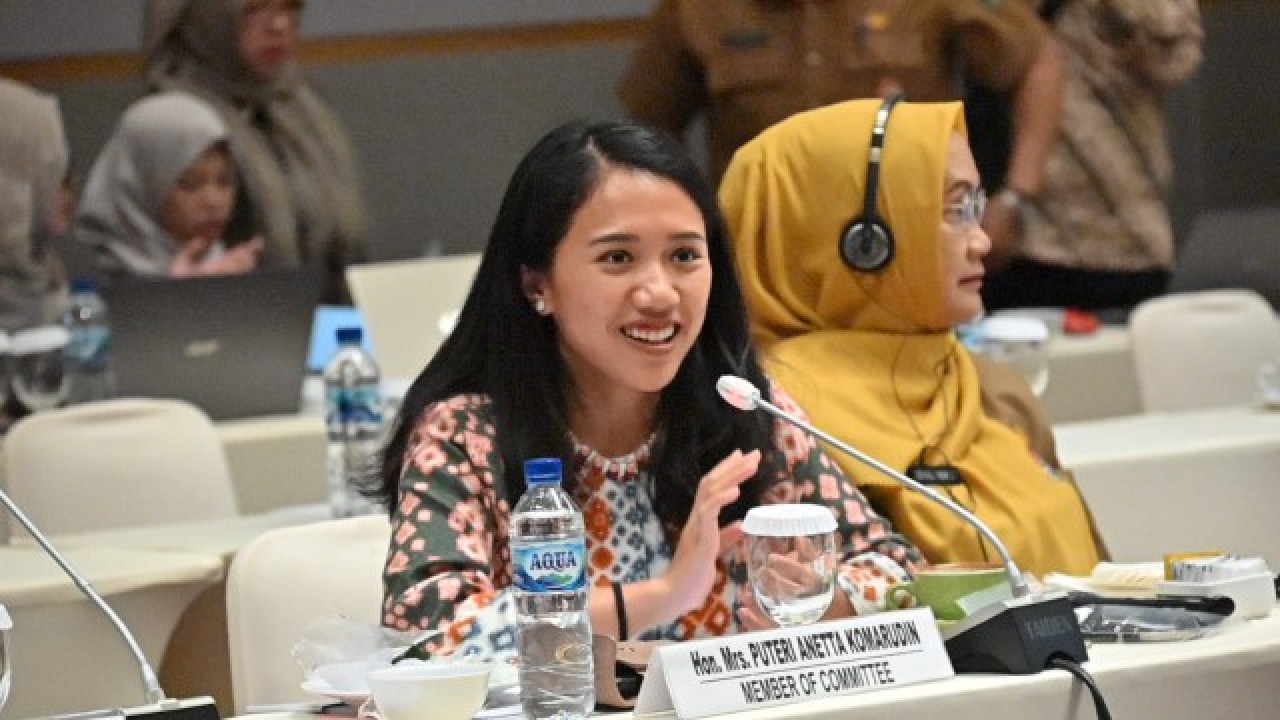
x=160 y=194
x=33 y=166
x=300 y=187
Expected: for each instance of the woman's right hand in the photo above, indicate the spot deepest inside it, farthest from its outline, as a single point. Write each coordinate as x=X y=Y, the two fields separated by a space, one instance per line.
x=693 y=567
x=236 y=260
x=192 y=258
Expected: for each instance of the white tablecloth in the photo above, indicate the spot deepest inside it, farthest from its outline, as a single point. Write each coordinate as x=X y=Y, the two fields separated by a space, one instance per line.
x=1229 y=676
x=66 y=655
x=280 y=461
x=1232 y=675
x=1091 y=376
x=276 y=461
x=1171 y=482
x=190 y=653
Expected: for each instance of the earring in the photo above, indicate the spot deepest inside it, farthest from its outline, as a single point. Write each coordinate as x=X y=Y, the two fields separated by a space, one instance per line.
x=540 y=305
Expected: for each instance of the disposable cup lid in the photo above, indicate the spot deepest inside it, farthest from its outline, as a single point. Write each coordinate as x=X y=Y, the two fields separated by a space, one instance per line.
x=789 y=520
x=1015 y=329
x=40 y=339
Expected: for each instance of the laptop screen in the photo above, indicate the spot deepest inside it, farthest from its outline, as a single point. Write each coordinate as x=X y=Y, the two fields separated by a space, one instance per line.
x=324 y=343
x=236 y=346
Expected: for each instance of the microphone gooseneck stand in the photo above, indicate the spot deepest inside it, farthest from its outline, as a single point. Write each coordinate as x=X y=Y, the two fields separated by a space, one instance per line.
x=157 y=704
x=1021 y=635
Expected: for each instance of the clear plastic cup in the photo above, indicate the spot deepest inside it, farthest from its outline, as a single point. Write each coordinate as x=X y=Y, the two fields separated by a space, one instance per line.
x=39 y=368
x=791 y=561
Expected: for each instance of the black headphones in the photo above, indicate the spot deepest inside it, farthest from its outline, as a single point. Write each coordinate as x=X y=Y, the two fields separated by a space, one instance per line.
x=867 y=244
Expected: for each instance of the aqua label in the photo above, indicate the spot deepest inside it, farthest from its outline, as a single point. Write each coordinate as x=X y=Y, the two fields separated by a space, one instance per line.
x=559 y=566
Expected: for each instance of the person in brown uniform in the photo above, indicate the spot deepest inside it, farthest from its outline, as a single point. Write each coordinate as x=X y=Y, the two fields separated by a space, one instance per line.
x=751 y=63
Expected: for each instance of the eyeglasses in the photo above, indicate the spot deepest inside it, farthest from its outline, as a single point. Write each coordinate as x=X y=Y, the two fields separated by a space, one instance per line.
x=968 y=212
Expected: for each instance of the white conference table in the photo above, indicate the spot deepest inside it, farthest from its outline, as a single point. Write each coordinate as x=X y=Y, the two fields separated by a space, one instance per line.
x=1091 y=376
x=66 y=656
x=1187 y=481
x=188 y=634
x=278 y=461
x=1231 y=674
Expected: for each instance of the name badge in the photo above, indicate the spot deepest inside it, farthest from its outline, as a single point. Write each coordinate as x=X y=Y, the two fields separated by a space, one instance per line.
x=791 y=665
x=934 y=474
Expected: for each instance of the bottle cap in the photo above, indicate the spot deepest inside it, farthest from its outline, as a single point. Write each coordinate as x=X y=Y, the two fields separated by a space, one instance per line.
x=40 y=339
x=84 y=285
x=789 y=520
x=349 y=335
x=542 y=471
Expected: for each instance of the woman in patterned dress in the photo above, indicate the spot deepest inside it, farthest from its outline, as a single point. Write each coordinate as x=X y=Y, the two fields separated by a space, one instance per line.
x=605 y=307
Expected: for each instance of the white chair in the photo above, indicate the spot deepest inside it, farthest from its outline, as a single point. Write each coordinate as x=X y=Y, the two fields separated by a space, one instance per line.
x=286 y=579
x=409 y=306
x=117 y=463
x=1202 y=350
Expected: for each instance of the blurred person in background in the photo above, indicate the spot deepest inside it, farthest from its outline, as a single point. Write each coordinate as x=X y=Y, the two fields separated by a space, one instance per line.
x=1100 y=236
x=747 y=64
x=33 y=207
x=34 y=211
x=159 y=196
x=300 y=188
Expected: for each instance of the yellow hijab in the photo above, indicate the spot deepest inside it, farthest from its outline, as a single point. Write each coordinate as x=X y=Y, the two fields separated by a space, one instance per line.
x=871 y=357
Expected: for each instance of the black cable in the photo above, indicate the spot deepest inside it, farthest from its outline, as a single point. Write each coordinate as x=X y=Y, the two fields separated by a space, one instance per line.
x=620 y=606
x=1099 y=703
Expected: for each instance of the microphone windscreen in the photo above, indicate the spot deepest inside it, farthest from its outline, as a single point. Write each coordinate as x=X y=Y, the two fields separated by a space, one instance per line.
x=738 y=392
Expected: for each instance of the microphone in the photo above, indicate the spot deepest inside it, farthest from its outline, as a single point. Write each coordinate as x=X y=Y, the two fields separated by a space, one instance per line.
x=1020 y=635
x=157 y=704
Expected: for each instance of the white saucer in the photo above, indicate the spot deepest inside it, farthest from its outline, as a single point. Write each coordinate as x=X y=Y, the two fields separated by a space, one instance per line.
x=354 y=698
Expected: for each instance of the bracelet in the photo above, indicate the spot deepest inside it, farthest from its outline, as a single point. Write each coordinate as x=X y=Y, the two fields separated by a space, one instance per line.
x=620 y=605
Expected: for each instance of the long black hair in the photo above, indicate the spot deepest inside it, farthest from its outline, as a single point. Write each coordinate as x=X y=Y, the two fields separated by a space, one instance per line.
x=501 y=348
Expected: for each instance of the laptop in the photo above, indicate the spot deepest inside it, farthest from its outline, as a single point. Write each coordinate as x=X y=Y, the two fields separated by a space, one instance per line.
x=236 y=346
x=410 y=307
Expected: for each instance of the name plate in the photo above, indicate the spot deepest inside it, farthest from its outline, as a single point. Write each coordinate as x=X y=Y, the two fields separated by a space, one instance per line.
x=792 y=665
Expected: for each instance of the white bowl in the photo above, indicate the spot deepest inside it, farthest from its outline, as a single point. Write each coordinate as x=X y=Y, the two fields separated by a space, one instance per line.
x=439 y=692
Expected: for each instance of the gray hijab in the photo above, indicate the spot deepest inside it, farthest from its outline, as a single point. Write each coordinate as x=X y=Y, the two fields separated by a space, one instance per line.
x=294 y=157
x=33 y=163
x=157 y=139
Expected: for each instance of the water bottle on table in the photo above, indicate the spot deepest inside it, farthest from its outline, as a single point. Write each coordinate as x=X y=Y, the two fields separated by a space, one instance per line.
x=549 y=554
x=353 y=419
x=88 y=354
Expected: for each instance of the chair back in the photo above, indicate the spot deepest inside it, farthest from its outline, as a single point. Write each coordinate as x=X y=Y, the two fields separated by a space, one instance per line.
x=285 y=580
x=1203 y=349
x=409 y=306
x=117 y=463
x=1231 y=248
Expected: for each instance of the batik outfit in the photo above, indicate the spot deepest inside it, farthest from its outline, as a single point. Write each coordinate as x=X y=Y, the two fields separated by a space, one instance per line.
x=449 y=564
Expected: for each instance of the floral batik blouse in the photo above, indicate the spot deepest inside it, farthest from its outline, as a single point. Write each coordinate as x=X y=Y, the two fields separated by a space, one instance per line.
x=449 y=564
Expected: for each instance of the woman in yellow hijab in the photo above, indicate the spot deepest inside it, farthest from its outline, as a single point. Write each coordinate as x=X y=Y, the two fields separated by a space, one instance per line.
x=869 y=352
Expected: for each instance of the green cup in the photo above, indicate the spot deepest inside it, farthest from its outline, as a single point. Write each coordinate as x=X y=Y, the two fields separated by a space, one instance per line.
x=939 y=587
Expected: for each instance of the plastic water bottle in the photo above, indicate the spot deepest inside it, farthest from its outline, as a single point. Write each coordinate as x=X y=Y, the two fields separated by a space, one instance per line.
x=353 y=419
x=88 y=353
x=549 y=554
